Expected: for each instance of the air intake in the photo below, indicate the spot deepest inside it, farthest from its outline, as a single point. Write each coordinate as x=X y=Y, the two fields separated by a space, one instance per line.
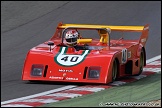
x=45 y=71
x=85 y=72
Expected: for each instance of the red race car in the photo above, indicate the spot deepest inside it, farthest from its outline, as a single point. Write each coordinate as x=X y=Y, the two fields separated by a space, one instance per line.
x=74 y=55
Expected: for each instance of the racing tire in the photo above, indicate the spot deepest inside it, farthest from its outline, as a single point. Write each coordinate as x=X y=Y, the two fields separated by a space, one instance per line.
x=142 y=60
x=114 y=70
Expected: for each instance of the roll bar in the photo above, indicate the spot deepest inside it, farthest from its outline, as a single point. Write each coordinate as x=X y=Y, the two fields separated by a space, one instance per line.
x=106 y=29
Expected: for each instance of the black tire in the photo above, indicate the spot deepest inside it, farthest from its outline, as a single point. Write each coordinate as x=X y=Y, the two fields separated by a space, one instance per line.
x=114 y=70
x=142 y=60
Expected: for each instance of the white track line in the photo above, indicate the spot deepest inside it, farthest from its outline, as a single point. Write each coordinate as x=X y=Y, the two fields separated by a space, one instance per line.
x=138 y=77
x=40 y=100
x=155 y=63
x=70 y=95
x=153 y=59
x=62 y=88
x=39 y=94
x=16 y=105
x=152 y=69
x=91 y=89
x=118 y=83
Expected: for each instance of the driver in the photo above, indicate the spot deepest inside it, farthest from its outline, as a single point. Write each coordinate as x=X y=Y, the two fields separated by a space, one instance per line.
x=71 y=39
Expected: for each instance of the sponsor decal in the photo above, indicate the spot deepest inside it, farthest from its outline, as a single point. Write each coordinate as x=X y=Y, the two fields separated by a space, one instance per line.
x=146 y=28
x=55 y=77
x=65 y=70
x=129 y=54
x=68 y=78
x=64 y=59
x=61 y=78
x=143 y=40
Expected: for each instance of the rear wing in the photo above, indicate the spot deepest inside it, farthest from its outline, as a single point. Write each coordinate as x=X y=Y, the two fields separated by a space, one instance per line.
x=113 y=28
x=105 y=36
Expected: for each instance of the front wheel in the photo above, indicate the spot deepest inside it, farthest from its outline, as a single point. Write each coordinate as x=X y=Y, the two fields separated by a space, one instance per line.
x=114 y=70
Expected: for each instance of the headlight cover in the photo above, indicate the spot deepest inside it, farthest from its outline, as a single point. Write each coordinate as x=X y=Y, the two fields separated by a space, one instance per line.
x=94 y=72
x=37 y=70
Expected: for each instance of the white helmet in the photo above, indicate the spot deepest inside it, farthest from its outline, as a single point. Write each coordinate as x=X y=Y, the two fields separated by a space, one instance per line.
x=71 y=37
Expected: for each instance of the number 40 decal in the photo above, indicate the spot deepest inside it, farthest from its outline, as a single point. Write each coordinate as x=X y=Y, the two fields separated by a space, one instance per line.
x=72 y=59
x=64 y=59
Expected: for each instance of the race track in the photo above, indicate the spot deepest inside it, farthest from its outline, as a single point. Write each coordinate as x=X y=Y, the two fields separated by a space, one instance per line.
x=26 y=24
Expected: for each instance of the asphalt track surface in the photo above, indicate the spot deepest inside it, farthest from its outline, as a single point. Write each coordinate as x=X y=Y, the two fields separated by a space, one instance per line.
x=26 y=24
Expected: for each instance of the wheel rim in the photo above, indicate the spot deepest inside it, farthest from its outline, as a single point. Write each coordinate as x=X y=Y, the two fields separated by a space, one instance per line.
x=114 y=71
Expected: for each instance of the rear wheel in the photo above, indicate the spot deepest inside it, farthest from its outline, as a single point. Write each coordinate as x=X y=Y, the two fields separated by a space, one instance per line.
x=114 y=70
x=142 y=60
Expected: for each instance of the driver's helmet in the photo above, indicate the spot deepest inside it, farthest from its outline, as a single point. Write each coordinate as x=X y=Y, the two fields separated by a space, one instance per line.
x=71 y=37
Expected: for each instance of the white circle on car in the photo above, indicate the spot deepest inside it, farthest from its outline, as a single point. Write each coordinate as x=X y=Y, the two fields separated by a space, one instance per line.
x=69 y=59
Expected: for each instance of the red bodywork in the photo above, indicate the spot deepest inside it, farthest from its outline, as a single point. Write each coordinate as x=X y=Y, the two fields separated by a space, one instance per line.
x=100 y=58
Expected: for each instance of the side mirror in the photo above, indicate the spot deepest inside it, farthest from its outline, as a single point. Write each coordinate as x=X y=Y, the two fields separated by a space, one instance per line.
x=50 y=43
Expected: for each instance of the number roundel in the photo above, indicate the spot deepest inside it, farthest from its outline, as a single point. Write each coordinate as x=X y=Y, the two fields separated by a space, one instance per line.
x=124 y=55
x=69 y=60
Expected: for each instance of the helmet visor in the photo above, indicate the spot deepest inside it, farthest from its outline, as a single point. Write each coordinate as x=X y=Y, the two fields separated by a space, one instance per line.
x=71 y=39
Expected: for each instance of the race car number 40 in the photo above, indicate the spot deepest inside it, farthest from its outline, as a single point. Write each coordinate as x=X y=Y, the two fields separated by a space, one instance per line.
x=69 y=60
